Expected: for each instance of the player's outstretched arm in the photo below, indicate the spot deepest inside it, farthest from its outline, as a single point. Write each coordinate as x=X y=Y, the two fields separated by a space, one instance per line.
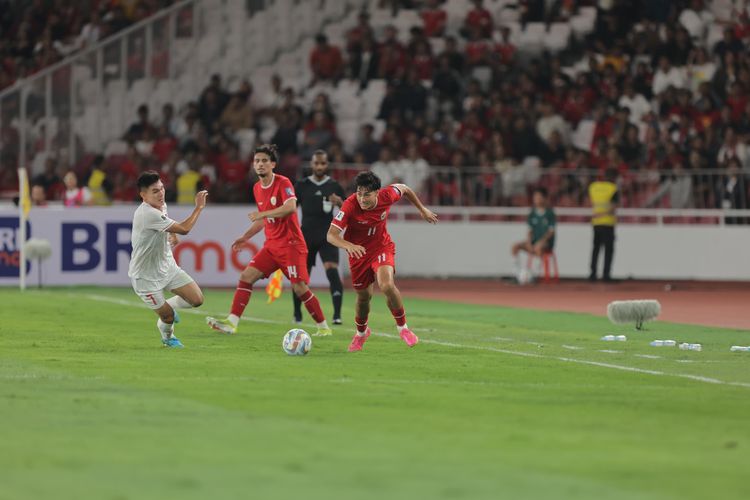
x=335 y=239
x=410 y=195
x=255 y=228
x=185 y=226
x=285 y=210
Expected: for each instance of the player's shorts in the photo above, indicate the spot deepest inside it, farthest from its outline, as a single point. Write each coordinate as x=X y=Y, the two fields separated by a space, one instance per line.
x=364 y=269
x=292 y=260
x=328 y=252
x=152 y=292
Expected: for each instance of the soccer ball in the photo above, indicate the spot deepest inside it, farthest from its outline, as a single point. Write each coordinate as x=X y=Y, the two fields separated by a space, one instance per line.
x=296 y=342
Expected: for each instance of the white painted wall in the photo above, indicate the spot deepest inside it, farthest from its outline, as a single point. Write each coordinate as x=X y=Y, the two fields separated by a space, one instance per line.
x=482 y=249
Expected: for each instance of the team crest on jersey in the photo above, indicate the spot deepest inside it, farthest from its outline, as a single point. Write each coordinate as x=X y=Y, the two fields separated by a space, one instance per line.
x=273 y=200
x=382 y=216
x=339 y=216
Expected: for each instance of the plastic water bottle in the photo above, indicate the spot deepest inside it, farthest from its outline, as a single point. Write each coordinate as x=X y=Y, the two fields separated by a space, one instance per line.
x=656 y=343
x=690 y=347
x=740 y=348
x=621 y=338
x=609 y=338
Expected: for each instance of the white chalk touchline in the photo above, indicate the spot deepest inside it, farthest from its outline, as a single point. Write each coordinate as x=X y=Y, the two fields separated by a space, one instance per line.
x=579 y=361
x=572 y=347
x=697 y=378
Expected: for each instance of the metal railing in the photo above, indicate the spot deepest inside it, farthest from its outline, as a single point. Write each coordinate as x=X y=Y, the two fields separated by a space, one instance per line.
x=79 y=104
x=514 y=186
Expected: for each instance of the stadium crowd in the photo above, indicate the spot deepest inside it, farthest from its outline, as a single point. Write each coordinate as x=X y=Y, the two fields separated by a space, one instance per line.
x=40 y=33
x=473 y=118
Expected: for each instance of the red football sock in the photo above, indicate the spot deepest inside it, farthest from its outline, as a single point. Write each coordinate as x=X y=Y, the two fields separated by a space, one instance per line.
x=313 y=306
x=241 y=297
x=361 y=324
x=399 y=315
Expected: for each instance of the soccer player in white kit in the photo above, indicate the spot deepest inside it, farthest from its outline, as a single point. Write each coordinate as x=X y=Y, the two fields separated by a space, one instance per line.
x=152 y=266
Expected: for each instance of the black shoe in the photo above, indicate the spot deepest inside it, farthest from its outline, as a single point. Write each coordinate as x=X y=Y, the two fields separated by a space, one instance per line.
x=592 y=277
x=610 y=280
x=297 y=321
x=337 y=321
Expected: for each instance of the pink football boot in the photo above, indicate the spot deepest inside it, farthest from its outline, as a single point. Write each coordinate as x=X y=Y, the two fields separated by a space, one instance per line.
x=359 y=340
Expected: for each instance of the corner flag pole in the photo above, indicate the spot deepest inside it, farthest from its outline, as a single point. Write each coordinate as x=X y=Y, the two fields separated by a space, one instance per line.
x=24 y=206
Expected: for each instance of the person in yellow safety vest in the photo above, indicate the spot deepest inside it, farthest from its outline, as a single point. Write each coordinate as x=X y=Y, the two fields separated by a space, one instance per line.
x=98 y=184
x=604 y=199
x=188 y=184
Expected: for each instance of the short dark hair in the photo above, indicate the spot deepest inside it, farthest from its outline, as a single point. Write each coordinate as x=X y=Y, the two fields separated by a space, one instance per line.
x=147 y=178
x=610 y=174
x=319 y=152
x=367 y=180
x=270 y=150
x=542 y=191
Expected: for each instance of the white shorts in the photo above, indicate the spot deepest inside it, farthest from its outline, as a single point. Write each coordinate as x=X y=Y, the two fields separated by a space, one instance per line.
x=152 y=292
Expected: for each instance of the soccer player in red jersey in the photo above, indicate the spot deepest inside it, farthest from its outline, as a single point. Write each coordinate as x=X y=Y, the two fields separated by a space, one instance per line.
x=371 y=251
x=284 y=248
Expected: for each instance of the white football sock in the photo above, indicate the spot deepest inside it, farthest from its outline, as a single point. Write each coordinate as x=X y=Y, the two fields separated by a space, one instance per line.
x=323 y=324
x=166 y=329
x=402 y=328
x=234 y=319
x=178 y=302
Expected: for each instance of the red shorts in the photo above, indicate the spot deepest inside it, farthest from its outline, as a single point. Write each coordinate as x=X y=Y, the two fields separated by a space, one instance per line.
x=292 y=261
x=364 y=269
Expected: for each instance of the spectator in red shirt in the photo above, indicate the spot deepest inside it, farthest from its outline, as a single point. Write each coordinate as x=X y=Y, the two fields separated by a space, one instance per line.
x=504 y=49
x=434 y=19
x=737 y=100
x=358 y=34
x=472 y=128
x=422 y=61
x=325 y=61
x=477 y=49
x=479 y=18
x=164 y=144
x=393 y=60
x=233 y=173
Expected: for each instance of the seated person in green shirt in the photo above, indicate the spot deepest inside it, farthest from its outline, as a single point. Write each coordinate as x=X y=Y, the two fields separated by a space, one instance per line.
x=541 y=235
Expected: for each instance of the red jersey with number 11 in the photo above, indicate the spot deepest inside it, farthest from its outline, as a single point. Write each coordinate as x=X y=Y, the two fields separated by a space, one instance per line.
x=279 y=231
x=368 y=228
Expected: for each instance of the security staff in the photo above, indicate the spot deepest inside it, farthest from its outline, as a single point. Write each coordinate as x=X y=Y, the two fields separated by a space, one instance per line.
x=604 y=199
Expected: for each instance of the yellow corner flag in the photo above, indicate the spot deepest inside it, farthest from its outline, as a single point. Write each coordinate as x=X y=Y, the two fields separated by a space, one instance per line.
x=24 y=196
x=274 y=286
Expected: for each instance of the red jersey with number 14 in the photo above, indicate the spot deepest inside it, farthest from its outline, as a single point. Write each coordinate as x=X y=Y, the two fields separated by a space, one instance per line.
x=279 y=231
x=368 y=228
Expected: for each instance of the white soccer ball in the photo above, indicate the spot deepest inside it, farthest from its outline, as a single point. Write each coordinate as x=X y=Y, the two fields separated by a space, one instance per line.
x=296 y=342
x=524 y=277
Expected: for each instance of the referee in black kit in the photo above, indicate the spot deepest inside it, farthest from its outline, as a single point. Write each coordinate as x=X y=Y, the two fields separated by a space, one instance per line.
x=317 y=195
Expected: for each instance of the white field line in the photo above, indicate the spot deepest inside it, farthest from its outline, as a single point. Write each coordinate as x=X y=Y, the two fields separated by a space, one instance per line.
x=610 y=366
x=698 y=378
x=572 y=347
x=647 y=356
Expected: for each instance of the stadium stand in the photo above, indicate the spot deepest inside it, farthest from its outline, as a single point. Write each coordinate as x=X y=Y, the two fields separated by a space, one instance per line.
x=506 y=96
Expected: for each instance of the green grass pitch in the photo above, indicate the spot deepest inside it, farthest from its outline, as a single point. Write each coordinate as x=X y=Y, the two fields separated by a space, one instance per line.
x=493 y=403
